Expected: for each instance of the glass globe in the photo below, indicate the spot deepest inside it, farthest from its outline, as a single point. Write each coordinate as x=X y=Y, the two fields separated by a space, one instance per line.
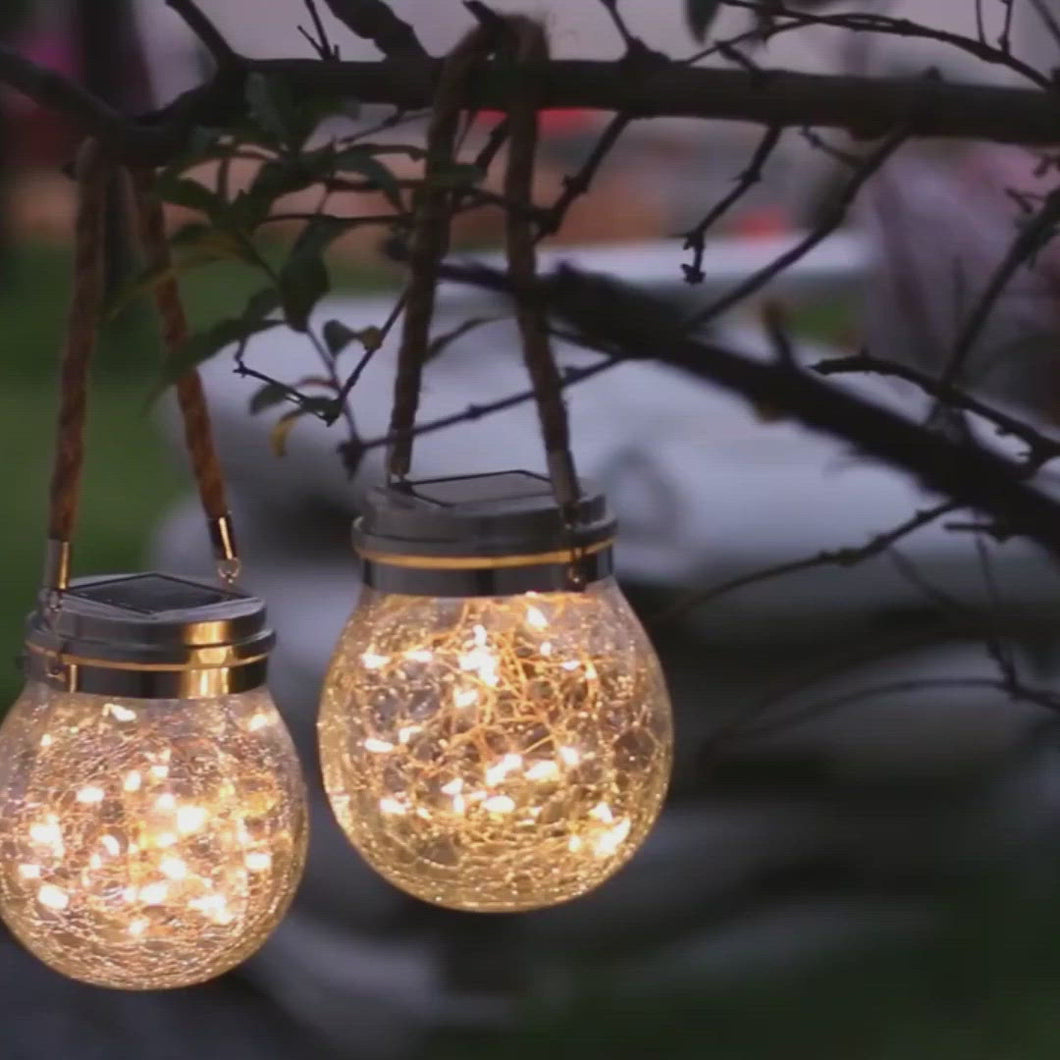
x=496 y=753
x=147 y=843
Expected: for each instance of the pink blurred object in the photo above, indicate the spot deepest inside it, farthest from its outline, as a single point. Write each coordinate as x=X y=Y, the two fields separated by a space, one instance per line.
x=942 y=227
x=40 y=136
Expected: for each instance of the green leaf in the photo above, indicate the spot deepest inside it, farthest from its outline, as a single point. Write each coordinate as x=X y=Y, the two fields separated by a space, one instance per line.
x=303 y=282
x=700 y=14
x=304 y=277
x=180 y=191
x=279 y=177
x=358 y=160
x=145 y=281
x=262 y=303
x=267 y=397
x=272 y=108
x=218 y=242
x=338 y=336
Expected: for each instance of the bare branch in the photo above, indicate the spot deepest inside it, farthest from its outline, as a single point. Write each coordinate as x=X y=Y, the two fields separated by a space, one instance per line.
x=838 y=557
x=630 y=41
x=625 y=322
x=1004 y=42
x=865 y=107
x=55 y=92
x=1040 y=447
x=210 y=36
x=1041 y=7
x=1041 y=697
x=696 y=238
x=321 y=43
x=835 y=216
x=577 y=185
x=1032 y=236
x=373 y=20
x=571 y=376
x=786 y=19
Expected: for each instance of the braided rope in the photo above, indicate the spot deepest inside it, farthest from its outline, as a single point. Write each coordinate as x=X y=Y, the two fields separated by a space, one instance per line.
x=430 y=240
x=531 y=311
x=82 y=320
x=93 y=179
x=198 y=433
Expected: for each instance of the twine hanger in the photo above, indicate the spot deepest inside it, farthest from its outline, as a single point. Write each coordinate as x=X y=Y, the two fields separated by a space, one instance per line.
x=523 y=41
x=94 y=173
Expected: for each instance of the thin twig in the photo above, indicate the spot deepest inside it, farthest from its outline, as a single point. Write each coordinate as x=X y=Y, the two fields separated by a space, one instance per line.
x=839 y=557
x=1041 y=448
x=355 y=376
x=865 y=22
x=743 y=724
x=628 y=39
x=996 y=647
x=696 y=238
x=1041 y=7
x=1004 y=42
x=1031 y=237
x=211 y=37
x=373 y=20
x=321 y=43
x=837 y=154
x=472 y=413
x=440 y=343
x=835 y=216
x=1038 y=696
x=578 y=184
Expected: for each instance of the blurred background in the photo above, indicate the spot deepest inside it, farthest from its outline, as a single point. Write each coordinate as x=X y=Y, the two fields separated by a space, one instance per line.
x=840 y=876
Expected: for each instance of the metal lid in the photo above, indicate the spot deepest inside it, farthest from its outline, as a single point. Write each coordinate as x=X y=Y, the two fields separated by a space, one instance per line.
x=499 y=514
x=482 y=535
x=149 y=635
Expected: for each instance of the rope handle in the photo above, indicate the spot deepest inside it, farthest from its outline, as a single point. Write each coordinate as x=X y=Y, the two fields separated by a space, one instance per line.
x=531 y=310
x=430 y=243
x=94 y=173
x=198 y=433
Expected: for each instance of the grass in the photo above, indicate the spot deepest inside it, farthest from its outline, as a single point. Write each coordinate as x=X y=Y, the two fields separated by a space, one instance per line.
x=130 y=476
x=129 y=479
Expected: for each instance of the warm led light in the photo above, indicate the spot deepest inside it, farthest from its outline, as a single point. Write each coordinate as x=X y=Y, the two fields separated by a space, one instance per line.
x=147 y=843
x=496 y=753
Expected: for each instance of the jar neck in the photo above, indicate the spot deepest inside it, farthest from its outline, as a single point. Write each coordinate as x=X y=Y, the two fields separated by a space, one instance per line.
x=448 y=576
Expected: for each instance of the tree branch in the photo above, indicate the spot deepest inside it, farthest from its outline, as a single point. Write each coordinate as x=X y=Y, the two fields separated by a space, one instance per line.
x=55 y=92
x=626 y=323
x=211 y=37
x=373 y=20
x=1040 y=448
x=696 y=238
x=863 y=106
x=871 y=22
x=837 y=557
x=835 y=216
x=1031 y=237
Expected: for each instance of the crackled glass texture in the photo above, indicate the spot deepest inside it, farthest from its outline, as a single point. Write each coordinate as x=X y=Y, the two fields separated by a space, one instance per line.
x=147 y=843
x=496 y=753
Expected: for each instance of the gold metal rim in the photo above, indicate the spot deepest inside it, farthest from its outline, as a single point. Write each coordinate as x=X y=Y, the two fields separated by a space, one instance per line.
x=536 y=559
x=230 y=662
